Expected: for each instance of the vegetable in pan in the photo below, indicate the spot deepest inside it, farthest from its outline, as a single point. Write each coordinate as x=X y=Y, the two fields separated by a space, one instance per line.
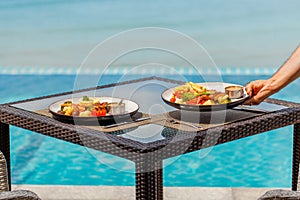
x=193 y=94
x=87 y=107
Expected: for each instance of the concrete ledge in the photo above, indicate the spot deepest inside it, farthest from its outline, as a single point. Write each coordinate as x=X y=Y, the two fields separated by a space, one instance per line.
x=57 y=192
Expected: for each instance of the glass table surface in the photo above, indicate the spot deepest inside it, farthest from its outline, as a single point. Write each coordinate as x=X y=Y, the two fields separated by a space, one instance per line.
x=147 y=94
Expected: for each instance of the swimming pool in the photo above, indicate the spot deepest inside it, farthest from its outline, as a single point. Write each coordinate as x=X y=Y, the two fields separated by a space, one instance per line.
x=69 y=164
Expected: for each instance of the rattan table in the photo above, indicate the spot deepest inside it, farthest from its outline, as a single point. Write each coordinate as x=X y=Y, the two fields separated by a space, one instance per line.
x=147 y=152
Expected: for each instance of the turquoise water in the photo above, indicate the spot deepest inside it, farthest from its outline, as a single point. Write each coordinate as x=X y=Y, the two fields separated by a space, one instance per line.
x=259 y=161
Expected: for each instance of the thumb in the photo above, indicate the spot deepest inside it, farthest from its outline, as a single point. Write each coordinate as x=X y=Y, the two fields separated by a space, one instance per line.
x=259 y=97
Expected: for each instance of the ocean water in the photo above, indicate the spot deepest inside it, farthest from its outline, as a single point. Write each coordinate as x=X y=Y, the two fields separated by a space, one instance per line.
x=259 y=161
x=62 y=33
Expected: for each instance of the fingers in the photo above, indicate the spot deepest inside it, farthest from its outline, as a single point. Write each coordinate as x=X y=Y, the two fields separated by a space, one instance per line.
x=260 y=96
x=253 y=87
x=258 y=92
x=255 y=92
x=248 y=102
x=254 y=101
x=248 y=89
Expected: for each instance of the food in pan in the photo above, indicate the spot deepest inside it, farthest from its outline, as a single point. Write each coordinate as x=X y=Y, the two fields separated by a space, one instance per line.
x=89 y=107
x=234 y=91
x=193 y=94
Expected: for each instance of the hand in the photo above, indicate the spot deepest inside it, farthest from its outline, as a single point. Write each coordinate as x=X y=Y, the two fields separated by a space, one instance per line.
x=259 y=90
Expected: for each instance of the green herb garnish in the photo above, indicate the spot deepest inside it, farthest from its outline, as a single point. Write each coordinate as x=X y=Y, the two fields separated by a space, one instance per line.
x=187 y=96
x=85 y=98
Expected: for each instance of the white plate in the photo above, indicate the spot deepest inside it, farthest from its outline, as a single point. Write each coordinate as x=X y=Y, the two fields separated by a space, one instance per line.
x=218 y=86
x=130 y=109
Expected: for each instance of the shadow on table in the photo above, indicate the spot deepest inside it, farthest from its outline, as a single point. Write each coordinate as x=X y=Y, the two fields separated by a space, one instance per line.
x=206 y=119
x=216 y=117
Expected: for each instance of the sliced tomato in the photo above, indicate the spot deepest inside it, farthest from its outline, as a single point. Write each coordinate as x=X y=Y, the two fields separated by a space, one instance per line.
x=98 y=112
x=202 y=101
x=94 y=112
x=101 y=112
x=173 y=99
x=196 y=101
x=193 y=101
x=178 y=93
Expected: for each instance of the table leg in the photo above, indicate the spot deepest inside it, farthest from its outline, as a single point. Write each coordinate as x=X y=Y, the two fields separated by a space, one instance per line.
x=5 y=148
x=296 y=156
x=149 y=180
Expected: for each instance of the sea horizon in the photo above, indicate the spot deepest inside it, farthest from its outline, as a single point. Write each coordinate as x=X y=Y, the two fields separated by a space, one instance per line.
x=61 y=34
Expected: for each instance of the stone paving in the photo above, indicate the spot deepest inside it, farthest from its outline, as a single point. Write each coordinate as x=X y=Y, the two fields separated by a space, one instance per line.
x=56 y=192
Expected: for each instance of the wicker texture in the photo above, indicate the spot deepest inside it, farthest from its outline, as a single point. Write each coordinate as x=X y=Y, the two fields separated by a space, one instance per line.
x=149 y=180
x=5 y=148
x=296 y=158
x=19 y=195
x=131 y=149
x=3 y=175
x=280 y=195
x=12 y=195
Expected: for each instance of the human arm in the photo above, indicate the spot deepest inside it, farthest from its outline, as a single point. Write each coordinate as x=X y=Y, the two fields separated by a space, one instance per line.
x=261 y=89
